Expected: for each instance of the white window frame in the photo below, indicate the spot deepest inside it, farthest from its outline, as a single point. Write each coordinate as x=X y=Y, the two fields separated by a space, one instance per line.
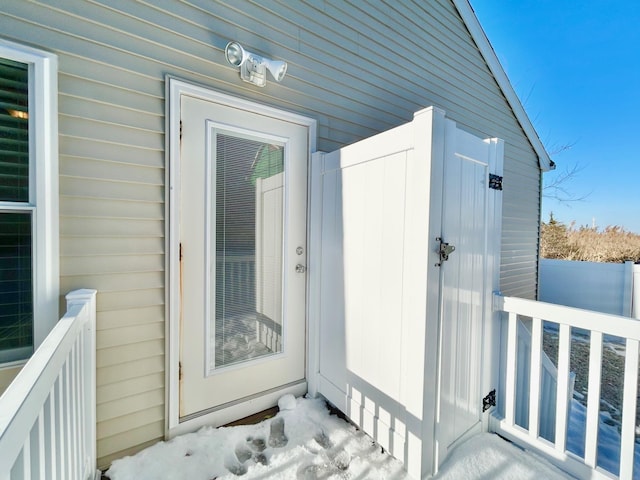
x=43 y=183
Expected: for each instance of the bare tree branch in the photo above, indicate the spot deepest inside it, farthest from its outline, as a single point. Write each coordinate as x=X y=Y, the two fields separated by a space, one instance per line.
x=558 y=188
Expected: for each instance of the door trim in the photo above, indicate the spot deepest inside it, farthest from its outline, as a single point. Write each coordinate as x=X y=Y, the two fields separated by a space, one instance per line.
x=174 y=89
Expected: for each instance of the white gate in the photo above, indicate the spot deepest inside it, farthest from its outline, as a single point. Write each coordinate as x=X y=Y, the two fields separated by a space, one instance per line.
x=376 y=225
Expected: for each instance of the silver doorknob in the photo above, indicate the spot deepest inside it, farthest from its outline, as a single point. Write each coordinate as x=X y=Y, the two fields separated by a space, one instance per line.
x=300 y=268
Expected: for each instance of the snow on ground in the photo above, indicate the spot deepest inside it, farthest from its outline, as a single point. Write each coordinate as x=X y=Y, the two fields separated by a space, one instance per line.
x=488 y=457
x=305 y=442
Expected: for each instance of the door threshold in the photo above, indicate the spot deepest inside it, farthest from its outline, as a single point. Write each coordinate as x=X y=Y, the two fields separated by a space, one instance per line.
x=255 y=418
x=241 y=410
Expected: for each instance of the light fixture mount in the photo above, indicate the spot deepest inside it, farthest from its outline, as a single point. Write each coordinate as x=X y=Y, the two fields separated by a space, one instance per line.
x=253 y=67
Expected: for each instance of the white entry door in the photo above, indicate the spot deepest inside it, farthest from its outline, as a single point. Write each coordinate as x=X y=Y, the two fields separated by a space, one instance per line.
x=467 y=280
x=242 y=239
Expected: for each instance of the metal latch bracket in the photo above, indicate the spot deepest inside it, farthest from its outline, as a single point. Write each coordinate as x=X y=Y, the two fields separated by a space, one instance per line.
x=444 y=250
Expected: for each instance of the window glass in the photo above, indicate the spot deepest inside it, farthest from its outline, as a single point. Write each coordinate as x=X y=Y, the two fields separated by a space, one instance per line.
x=14 y=131
x=16 y=215
x=16 y=286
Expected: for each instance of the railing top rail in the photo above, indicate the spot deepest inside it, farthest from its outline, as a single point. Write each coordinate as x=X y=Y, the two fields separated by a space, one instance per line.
x=607 y=324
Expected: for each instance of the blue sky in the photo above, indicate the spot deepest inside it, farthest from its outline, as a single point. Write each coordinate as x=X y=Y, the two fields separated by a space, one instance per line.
x=576 y=67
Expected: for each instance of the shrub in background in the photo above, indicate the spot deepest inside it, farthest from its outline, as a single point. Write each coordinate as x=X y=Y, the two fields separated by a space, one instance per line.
x=613 y=244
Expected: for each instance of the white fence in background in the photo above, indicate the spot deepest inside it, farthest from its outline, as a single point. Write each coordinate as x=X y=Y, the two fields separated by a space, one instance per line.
x=565 y=319
x=603 y=287
x=48 y=413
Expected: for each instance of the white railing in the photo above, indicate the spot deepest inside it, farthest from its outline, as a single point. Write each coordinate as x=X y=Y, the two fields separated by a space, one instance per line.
x=48 y=413
x=564 y=319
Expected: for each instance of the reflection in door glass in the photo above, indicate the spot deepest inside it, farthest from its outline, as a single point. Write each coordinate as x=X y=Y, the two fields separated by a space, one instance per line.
x=249 y=184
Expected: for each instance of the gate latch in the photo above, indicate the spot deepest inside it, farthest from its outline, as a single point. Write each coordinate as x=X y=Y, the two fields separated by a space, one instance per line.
x=444 y=251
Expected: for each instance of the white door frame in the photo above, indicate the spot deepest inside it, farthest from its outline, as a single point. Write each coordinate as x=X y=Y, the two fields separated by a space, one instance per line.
x=174 y=89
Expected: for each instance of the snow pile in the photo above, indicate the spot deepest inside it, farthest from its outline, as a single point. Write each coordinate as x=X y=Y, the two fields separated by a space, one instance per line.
x=488 y=457
x=303 y=442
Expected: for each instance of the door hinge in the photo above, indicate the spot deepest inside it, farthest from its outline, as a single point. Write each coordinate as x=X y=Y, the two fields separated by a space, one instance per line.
x=489 y=401
x=180 y=129
x=179 y=371
x=444 y=250
x=180 y=252
x=495 y=181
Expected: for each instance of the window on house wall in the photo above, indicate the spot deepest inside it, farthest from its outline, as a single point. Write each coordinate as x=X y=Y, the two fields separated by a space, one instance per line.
x=28 y=200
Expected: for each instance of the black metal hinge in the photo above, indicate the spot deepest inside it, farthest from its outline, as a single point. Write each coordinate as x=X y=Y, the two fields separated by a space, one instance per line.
x=489 y=401
x=495 y=181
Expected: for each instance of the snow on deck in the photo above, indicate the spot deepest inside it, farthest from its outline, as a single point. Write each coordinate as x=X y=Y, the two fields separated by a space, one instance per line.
x=306 y=442
x=488 y=457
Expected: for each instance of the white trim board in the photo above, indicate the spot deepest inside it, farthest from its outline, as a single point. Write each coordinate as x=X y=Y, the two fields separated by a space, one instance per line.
x=43 y=188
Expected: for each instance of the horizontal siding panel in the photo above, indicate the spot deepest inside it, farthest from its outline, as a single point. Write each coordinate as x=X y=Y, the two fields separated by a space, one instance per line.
x=128 y=440
x=110 y=264
x=109 y=76
x=106 y=460
x=110 y=170
x=108 y=245
x=115 y=282
x=74 y=106
x=138 y=368
x=88 y=148
x=132 y=316
x=92 y=226
x=124 y=354
x=131 y=334
x=130 y=299
x=133 y=386
x=136 y=419
x=133 y=403
x=112 y=94
x=106 y=190
x=111 y=208
x=109 y=132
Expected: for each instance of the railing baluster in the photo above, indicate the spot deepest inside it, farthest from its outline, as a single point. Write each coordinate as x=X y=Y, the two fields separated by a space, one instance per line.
x=510 y=381
x=593 y=402
x=26 y=457
x=73 y=367
x=53 y=432
x=67 y=420
x=42 y=453
x=534 y=378
x=628 y=433
x=62 y=449
x=83 y=399
x=562 y=392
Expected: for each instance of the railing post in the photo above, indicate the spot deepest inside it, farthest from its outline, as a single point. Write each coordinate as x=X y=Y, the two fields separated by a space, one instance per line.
x=635 y=301
x=76 y=297
x=627 y=289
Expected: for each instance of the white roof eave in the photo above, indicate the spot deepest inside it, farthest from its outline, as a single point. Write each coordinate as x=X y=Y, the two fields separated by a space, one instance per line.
x=490 y=57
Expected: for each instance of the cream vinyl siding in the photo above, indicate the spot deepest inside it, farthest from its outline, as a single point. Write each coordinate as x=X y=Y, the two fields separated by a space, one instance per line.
x=357 y=68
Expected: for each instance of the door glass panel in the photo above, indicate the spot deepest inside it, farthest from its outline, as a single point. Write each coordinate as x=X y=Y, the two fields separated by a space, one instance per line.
x=246 y=250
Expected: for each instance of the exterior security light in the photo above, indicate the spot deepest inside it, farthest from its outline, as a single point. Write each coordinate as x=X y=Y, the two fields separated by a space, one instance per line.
x=253 y=67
